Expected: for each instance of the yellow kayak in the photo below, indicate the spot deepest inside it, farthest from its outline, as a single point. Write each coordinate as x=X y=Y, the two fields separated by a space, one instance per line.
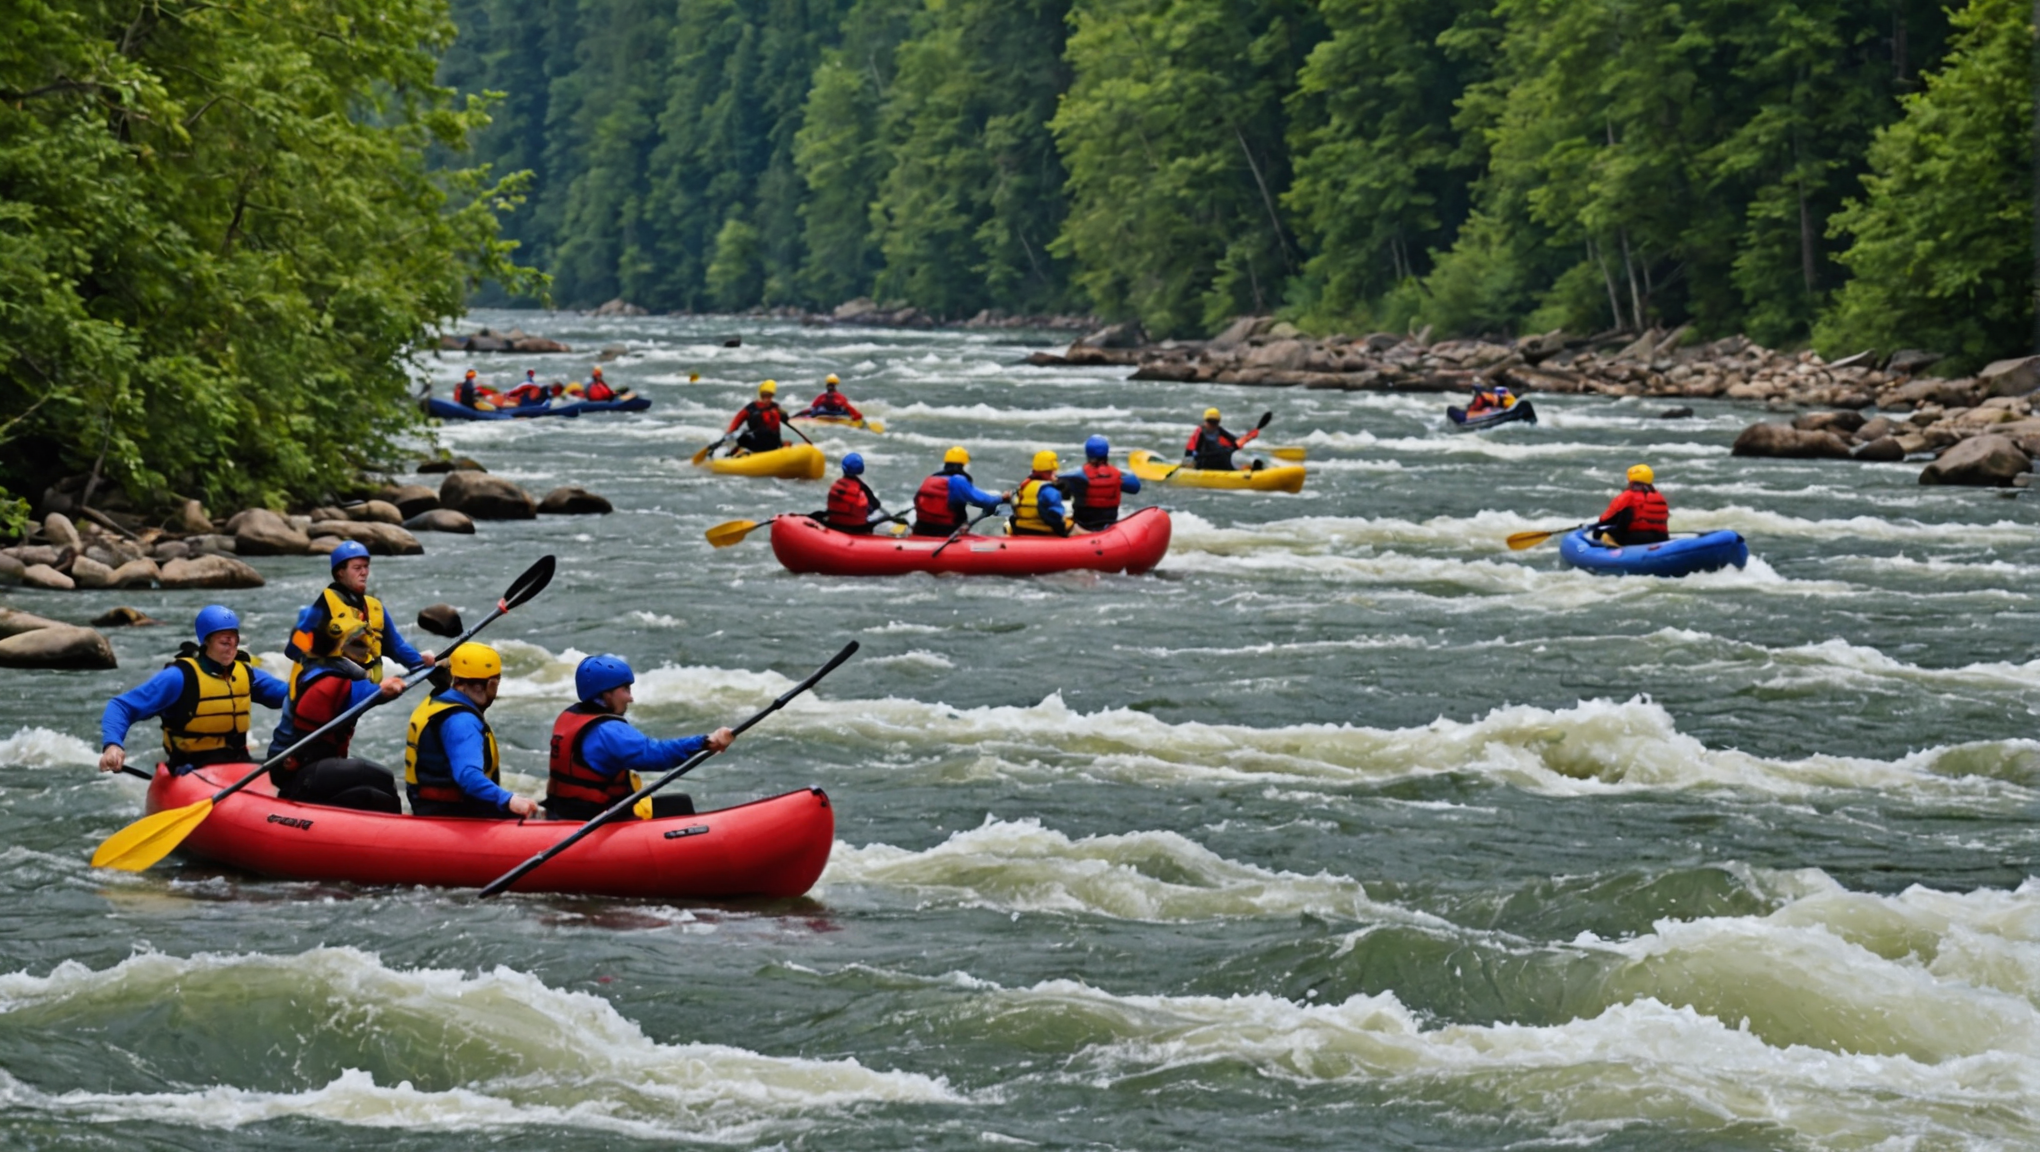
x=871 y=426
x=1286 y=478
x=793 y=462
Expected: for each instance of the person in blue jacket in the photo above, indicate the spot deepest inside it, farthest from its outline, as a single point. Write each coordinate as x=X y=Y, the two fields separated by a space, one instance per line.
x=1097 y=488
x=345 y=604
x=597 y=756
x=203 y=696
x=943 y=503
x=451 y=767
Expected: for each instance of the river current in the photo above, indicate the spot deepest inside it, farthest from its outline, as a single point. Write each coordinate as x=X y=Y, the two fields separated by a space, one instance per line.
x=1345 y=828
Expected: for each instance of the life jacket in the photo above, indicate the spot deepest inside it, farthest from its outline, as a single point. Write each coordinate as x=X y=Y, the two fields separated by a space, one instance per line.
x=849 y=503
x=426 y=767
x=1027 y=519
x=1101 y=487
x=574 y=787
x=211 y=713
x=1213 y=450
x=288 y=731
x=933 y=510
x=341 y=617
x=1648 y=512
x=598 y=390
x=761 y=420
x=830 y=404
x=465 y=394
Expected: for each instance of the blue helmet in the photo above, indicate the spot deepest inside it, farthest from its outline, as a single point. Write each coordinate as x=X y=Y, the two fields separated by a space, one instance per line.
x=853 y=464
x=215 y=618
x=348 y=550
x=1097 y=448
x=598 y=674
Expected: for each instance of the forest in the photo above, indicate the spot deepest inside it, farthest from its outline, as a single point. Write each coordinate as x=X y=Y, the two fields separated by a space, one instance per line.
x=1842 y=173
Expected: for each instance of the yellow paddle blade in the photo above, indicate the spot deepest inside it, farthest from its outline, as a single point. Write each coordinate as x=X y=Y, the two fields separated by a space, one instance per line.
x=1289 y=453
x=875 y=427
x=896 y=529
x=142 y=843
x=730 y=532
x=1522 y=540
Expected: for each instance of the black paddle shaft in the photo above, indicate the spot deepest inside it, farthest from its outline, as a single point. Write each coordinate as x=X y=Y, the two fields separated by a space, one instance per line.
x=530 y=584
x=958 y=534
x=617 y=810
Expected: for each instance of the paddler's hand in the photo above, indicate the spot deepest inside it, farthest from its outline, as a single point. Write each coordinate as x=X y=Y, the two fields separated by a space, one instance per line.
x=115 y=757
x=523 y=806
x=429 y=659
x=720 y=739
x=392 y=687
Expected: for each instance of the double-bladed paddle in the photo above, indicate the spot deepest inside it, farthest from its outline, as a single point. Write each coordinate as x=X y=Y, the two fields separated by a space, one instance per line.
x=622 y=807
x=142 y=843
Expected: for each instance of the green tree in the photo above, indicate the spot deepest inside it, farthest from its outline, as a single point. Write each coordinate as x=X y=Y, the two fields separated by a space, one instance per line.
x=840 y=154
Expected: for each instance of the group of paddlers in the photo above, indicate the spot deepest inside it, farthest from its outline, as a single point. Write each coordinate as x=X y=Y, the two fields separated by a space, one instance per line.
x=472 y=393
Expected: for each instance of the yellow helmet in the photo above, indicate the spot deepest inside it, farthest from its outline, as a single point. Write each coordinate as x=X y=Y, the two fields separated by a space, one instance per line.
x=1641 y=474
x=473 y=661
x=693 y=377
x=1045 y=461
x=831 y=379
x=1211 y=414
x=956 y=455
x=768 y=388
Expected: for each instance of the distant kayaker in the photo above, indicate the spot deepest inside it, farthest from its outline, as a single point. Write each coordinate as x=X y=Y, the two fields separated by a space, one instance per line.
x=761 y=421
x=599 y=390
x=450 y=762
x=1097 y=488
x=468 y=393
x=343 y=604
x=1638 y=514
x=853 y=506
x=1211 y=447
x=531 y=393
x=326 y=684
x=1489 y=398
x=203 y=697
x=597 y=755
x=943 y=503
x=1038 y=503
x=832 y=402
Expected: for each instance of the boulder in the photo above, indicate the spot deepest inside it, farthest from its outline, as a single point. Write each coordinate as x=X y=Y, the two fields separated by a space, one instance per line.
x=210 y=571
x=89 y=573
x=327 y=512
x=13 y=623
x=11 y=569
x=260 y=532
x=211 y=544
x=441 y=520
x=326 y=545
x=1279 y=356
x=379 y=539
x=61 y=533
x=58 y=646
x=1127 y=335
x=2015 y=377
x=618 y=307
x=610 y=352
x=1783 y=440
x=1948 y=393
x=31 y=554
x=124 y=618
x=1844 y=422
x=410 y=499
x=486 y=497
x=1679 y=413
x=1907 y=361
x=538 y=344
x=169 y=550
x=375 y=512
x=456 y=464
x=1985 y=461
x=189 y=519
x=440 y=620
x=1877 y=428
x=1882 y=450
x=572 y=501
x=137 y=574
x=47 y=578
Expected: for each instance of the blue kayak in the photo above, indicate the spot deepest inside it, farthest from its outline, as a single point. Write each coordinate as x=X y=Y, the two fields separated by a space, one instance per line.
x=1680 y=556
x=448 y=410
x=1521 y=410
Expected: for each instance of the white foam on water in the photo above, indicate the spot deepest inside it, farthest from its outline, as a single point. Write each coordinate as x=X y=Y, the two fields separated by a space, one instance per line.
x=42 y=748
x=988 y=414
x=525 y=1053
x=917 y=658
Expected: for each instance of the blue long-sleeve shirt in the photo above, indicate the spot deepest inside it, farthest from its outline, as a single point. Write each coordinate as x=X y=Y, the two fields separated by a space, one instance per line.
x=154 y=696
x=1049 y=502
x=394 y=646
x=461 y=735
x=962 y=491
x=610 y=748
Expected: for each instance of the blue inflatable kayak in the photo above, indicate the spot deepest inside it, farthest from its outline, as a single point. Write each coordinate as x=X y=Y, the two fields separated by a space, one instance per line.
x=448 y=410
x=1679 y=556
x=1520 y=410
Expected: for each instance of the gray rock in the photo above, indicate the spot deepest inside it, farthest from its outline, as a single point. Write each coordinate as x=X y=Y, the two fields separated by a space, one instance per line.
x=325 y=545
x=440 y=620
x=124 y=618
x=1235 y=334
x=327 y=512
x=1844 y=422
x=11 y=569
x=1783 y=440
x=457 y=464
x=210 y=571
x=1877 y=428
x=1127 y=335
x=190 y=519
x=32 y=554
x=14 y=623
x=260 y=532
x=47 y=578
x=379 y=539
x=486 y=497
x=572 y=501
x=2010 y=377
x=1984 y=461
x=441 y=520
x=1679 y=413
x=1910 y=360
x=170 y=550
x=101 y=554
x=59 y=646
x=61 y=533
x=212 y=544
x=410 y=499
x=1947 y=393
x=1882 y=450
x=89 y=573
x=610 y=352
x=137 y=574
x=375 y=512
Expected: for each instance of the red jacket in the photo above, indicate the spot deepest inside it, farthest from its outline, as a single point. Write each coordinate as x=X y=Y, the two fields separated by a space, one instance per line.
x=828 y=405
x=766 y=414
x=1646 y=507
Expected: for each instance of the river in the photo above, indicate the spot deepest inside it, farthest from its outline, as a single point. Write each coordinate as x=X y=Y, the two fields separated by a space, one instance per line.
x=1345 y=828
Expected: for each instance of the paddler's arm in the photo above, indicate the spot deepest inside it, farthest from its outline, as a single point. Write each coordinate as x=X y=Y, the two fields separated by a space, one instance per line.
x=962 y=491
x=461 y=735
x=150 y=698
x=395 y=644
x=1128 y=482
x=611 y=747
x=267 y=690
x=1050 y=506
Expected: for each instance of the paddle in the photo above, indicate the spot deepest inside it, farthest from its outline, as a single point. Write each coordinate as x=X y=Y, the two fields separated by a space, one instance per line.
x=142 y=843
x=617 y=810
x=875 y=427
x=731 y=532
x=1522 y=540
x=701 y=457
x=1288 y=453
x=958 y=534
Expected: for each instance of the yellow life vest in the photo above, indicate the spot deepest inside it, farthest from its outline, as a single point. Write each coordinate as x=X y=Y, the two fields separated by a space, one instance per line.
x=427 y=768
x=341 y=618
x=1027 y=510
x=212 y=713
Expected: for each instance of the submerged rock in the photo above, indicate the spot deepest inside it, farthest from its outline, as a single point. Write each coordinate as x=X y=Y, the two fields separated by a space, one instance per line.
x=1785 y=441
x=441 y=520
x=124 y=618
x=573 y=501
x=440 y=620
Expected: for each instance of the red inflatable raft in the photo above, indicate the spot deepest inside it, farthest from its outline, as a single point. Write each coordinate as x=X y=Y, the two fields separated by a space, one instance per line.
x=774 y=847
x=1133 y=545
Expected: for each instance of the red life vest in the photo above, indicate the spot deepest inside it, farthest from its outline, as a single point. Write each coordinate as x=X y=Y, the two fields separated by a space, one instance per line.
x=1101 y=486
x=1647 y=510
x=932 y=509
x=1212 y=448
x=466 y=393
x=759 y=416
x=598 y=390
x=570 y=777
x=849 y=503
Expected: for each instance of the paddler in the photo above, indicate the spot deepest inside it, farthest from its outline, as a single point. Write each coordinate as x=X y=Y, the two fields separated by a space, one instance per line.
x=599 y=390
x=943 y=502
x=1097 y=488
x=329 y=682
x=1638 y=514
x=760 y=420
x=1038 y=503
x=832 y=402
x=1211 y=447
x=1489 y=398
x=345 y=603
x=203 y=696
x=468 y=393
x=597 y=755
x=531 y=393
x=853 y=506
x=450 y=762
